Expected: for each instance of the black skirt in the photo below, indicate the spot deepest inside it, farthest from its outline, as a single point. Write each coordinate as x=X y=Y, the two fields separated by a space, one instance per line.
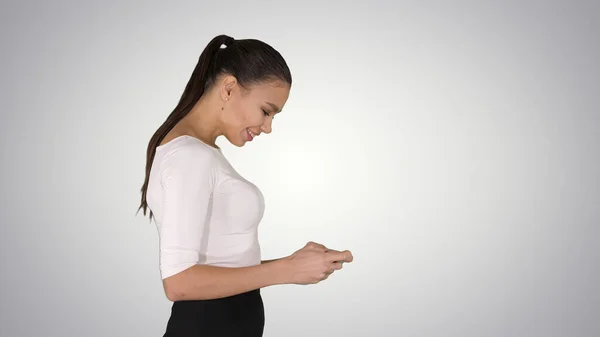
x=234 y=316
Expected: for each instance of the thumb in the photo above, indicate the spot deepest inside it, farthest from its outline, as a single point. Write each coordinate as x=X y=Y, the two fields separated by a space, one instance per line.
x=344 y=256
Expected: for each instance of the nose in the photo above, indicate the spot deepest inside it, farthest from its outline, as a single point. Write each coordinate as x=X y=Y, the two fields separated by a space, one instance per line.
x=266 y=127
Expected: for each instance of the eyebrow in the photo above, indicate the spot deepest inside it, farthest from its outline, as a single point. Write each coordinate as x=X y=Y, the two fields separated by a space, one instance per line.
x=274 y=107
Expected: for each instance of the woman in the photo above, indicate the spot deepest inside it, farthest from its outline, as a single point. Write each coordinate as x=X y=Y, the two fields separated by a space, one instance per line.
x=206 y=214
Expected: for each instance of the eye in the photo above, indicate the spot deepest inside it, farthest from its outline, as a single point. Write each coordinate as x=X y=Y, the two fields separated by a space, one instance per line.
x=266 y=113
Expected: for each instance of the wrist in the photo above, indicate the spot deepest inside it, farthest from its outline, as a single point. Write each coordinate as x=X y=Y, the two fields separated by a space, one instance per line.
x=280 y=270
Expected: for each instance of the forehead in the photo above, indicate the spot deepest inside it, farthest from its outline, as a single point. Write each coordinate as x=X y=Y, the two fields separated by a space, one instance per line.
x=276 y=92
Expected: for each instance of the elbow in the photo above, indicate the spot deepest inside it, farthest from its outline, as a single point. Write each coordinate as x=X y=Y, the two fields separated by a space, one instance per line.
x=173 y=297
x=173 y=290
x=180 y=286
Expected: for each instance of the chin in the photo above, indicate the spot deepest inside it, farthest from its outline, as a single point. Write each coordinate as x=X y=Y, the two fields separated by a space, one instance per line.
x=237 y=141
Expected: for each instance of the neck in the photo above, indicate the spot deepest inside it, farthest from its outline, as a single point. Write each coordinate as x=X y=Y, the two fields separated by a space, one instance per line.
x=203 y=120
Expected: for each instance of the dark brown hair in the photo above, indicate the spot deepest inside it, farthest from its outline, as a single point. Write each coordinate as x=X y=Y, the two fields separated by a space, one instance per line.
x=250 y=61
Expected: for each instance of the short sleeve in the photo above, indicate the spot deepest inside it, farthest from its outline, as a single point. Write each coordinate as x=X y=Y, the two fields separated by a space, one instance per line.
x=188 y=175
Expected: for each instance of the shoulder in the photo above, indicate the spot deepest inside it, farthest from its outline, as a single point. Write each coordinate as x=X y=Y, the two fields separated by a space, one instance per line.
x=186 y=155
x=187 y=147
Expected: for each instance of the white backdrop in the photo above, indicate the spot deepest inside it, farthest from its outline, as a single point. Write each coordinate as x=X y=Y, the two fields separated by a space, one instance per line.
x=453 y=147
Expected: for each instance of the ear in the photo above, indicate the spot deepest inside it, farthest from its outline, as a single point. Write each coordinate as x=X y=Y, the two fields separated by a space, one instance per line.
x=228 y=84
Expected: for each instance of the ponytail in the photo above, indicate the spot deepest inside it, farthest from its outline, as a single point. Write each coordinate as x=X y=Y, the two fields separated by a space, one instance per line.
x=202 y=77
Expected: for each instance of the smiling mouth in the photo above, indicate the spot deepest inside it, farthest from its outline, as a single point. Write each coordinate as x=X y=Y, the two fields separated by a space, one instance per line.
x=250 y=134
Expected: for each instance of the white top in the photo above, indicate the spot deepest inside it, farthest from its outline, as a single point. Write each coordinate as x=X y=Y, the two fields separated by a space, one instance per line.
x=205 y=212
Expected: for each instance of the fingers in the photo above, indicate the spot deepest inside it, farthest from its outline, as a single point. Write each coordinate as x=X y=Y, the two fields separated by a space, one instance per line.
x=333 y=259
x=337 y=266
x=326 y=274
x=334 y=267
x=336 y=256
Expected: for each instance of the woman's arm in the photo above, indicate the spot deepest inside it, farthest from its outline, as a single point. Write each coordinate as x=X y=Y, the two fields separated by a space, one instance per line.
x=308 y=265
x=210 y=282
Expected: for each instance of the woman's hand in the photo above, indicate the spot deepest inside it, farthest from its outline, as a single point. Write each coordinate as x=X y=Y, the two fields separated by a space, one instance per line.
x=314 y=263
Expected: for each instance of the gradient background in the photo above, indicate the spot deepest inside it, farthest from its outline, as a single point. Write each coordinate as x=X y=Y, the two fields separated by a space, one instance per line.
x=453 y=147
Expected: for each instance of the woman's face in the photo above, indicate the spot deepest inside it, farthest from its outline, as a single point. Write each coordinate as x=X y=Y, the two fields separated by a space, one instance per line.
x=248 y=112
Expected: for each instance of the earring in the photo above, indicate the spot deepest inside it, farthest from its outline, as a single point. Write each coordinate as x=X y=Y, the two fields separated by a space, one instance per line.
x=227 y=99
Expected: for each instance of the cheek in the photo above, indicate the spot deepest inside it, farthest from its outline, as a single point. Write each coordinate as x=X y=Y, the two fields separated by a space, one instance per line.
x=236 y=116
x=248 y=118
